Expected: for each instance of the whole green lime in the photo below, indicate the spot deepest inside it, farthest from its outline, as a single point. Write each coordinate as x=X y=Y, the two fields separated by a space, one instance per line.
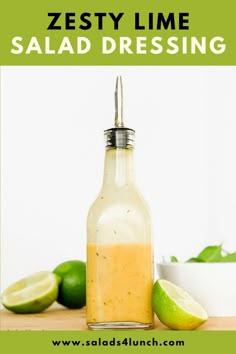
x=72 y=289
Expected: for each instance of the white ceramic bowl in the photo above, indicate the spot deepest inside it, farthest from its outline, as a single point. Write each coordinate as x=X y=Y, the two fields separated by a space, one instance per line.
x=213 y=285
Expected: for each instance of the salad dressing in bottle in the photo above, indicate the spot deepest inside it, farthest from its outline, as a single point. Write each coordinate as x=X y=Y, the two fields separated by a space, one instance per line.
x=119 y=248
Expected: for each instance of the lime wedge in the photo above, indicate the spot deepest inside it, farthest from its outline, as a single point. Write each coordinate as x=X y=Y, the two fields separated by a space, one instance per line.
x=175 y=307
x=32 y=294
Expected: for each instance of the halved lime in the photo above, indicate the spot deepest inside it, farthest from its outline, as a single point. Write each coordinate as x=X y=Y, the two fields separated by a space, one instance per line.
x=32 y=294
x=175 y=307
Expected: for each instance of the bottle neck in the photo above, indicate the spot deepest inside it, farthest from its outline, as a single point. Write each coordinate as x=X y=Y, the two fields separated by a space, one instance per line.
x=119 y=167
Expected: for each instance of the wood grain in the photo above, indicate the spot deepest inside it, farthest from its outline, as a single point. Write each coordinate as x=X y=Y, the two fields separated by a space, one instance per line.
x=60 y=318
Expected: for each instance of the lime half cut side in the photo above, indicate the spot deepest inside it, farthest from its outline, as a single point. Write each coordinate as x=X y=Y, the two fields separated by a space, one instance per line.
x=32 y=294
x=175 y=307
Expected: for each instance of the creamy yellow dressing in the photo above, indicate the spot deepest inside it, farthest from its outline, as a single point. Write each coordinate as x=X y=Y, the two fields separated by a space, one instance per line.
x=119 y=282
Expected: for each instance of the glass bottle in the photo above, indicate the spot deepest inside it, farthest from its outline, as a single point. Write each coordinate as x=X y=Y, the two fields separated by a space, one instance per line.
x=119 y=247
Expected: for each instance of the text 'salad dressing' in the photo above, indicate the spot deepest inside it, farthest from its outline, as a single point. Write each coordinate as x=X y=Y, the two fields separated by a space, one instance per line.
x=119 y=249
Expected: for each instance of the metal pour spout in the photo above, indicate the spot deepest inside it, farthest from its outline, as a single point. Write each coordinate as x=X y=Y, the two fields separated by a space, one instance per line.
x=119 y=136
x=119 y=123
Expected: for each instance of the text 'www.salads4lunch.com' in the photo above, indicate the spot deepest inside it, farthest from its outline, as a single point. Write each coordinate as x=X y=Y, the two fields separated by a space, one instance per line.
x=130 y=342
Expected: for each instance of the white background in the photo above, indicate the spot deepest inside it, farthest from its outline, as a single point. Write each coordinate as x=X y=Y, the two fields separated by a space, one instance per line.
x=52 y=157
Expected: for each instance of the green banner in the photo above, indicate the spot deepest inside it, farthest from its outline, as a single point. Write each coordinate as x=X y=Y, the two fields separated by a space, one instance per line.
x=151 y=32
x=50 y=342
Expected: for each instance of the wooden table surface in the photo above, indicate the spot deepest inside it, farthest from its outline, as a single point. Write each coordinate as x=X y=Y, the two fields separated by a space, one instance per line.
x=60 y=318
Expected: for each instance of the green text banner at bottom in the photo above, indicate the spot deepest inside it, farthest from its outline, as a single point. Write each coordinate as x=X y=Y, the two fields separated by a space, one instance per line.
x=184 y=342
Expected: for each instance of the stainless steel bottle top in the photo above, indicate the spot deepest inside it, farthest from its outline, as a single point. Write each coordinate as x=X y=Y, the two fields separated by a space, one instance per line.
x=119 y=136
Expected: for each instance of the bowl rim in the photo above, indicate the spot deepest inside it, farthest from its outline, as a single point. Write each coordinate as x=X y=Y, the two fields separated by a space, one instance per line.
x=191 y=264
